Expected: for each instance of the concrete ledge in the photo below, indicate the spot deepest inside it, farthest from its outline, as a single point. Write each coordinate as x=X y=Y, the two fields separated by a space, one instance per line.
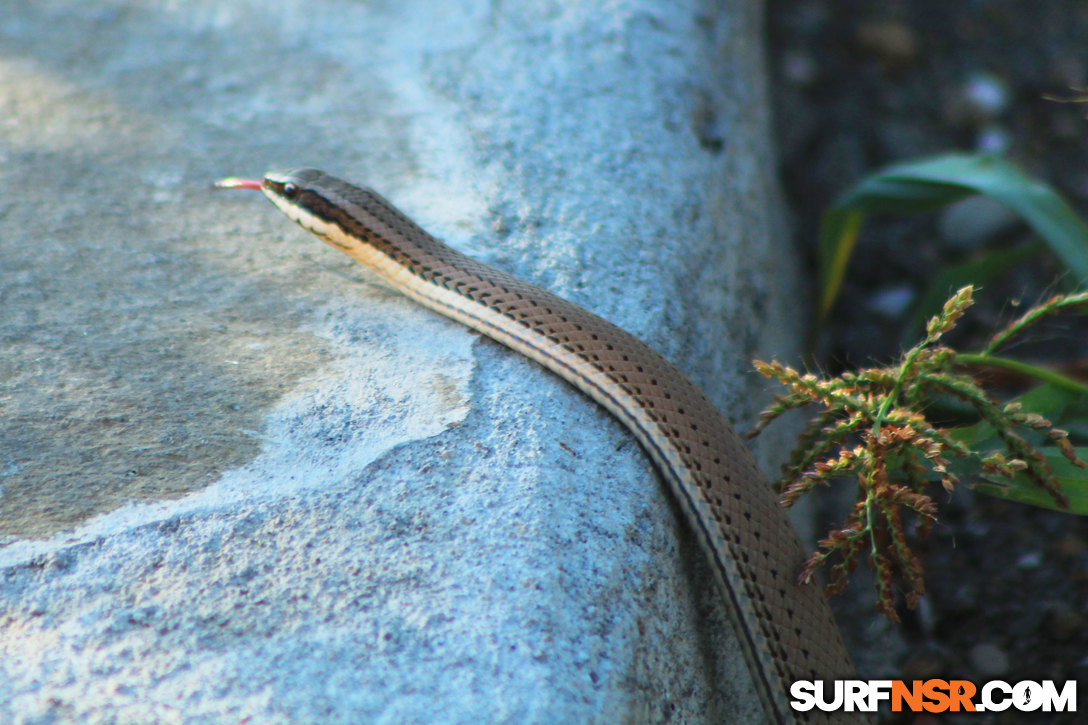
x=240 y=480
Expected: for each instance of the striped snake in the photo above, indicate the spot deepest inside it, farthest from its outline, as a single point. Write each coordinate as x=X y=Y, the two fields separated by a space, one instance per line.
x=785 y=629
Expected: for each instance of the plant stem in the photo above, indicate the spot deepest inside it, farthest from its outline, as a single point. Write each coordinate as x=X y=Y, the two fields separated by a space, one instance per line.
x=1051 y=306
x=1039 y=373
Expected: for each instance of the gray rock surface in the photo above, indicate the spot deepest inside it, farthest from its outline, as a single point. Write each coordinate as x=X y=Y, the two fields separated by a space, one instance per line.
x=240 y=481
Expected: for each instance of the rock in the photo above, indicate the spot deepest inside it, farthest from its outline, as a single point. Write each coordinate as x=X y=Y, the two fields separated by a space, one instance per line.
x=1063 y=622
x=981 y=99
x=799 y=68
x=989 y=660
x=892 y=302
x=972 y=223
x=894 y=43
x=1071 y=545
x=241 y=482
x=1029 y=561
x=993 y=139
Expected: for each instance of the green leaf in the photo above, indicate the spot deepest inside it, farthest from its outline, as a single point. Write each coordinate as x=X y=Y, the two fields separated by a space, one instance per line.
x=838 y=235
x=1072 y=481
x=1048 y=400
x=1057 y=404
x=934 y=182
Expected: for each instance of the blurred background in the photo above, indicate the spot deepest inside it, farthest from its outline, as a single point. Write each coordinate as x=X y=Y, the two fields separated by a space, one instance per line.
x=857 y=86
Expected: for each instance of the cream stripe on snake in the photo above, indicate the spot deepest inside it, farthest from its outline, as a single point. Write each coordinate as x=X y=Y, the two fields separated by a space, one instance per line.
x=785 y=629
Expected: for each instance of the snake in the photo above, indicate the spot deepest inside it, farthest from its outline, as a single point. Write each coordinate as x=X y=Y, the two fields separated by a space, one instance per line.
x=785 y=627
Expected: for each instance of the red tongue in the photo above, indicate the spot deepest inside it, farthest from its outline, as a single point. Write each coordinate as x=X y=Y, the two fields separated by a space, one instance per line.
x=233 y=183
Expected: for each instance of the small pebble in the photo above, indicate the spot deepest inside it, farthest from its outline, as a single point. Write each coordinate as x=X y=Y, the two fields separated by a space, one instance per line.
x=969 y=224
x=1063 y=622
x=1029 y=561
x=799 y=68
x=927 y=620
x=993 y=139
x=923 y=665
x=989 y=659
x=964 y=600
x=1072 y=545
x=892 y=42
x=986 y=96
x=892 y=302
x=979 y=100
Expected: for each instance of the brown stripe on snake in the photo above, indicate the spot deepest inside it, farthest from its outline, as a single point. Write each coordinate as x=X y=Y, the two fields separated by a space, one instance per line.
x=785 y=629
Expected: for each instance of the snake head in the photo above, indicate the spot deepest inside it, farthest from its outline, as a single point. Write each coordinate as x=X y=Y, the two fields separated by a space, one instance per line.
x=279 y=186
x=315 y=200
x=350 y=218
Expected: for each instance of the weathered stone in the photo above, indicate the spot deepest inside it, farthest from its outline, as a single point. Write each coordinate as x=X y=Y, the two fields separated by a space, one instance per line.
x=240 y=480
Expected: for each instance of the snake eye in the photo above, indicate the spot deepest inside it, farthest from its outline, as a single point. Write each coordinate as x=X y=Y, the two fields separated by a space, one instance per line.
x=290 y=191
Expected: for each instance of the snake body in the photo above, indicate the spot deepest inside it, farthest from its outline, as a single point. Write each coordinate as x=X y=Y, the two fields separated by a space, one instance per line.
x=785 y=629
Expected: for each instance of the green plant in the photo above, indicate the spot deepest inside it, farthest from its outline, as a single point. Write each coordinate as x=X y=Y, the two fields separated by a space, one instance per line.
x=930 y=183
x=872 y=424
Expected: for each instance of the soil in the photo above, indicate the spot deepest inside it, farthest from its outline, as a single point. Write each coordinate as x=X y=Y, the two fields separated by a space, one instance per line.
x=858 y=85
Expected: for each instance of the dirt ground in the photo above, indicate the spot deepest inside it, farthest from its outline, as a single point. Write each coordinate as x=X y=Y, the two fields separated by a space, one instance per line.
x=858 y=85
